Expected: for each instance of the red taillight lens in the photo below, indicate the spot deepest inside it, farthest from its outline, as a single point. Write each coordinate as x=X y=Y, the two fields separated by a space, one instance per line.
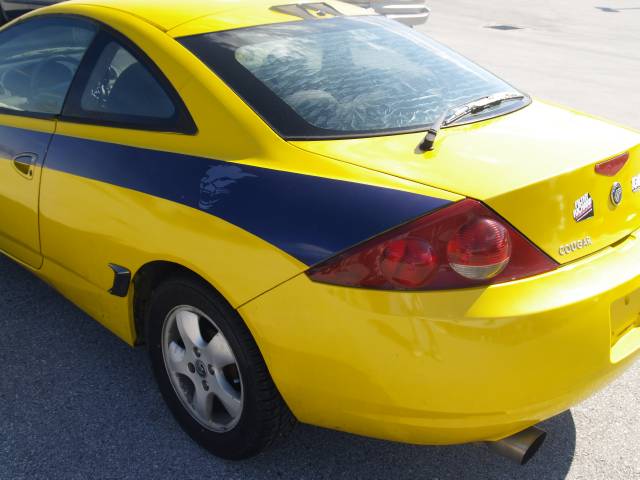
x=613 y=165
x=462 y=245
x=408 y=262
x=480 y=250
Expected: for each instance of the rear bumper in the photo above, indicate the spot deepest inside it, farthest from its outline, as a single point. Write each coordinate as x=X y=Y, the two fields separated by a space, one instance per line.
x=455 y=366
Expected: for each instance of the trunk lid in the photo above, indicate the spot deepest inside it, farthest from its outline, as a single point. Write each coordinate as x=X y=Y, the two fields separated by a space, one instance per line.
x=535 y=167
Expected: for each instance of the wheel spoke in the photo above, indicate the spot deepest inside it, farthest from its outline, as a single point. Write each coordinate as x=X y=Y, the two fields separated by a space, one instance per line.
x=219 y=352
x=189 y=327
x=229 y=398
x=178 y=359
x=203 y=402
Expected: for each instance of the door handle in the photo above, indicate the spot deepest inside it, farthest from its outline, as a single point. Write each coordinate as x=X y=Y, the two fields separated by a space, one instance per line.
x=24 y=163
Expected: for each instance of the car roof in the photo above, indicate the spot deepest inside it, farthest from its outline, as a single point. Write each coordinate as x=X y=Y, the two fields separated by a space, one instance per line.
x=190 y=17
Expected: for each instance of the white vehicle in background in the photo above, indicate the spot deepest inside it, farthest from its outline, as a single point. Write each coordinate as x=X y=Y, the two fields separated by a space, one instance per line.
x=10 y=9
x=409 y=12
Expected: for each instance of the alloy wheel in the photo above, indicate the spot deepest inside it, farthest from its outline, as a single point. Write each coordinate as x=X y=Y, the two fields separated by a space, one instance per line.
x=202 y=368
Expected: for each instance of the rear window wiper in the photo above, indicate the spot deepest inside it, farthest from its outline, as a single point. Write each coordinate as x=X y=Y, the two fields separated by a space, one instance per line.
x=450 y=115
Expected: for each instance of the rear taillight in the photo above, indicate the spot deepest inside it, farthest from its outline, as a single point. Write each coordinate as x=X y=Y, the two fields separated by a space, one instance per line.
x=613 y=165
x=408 y=262
x=480 y=249
x=459 y=246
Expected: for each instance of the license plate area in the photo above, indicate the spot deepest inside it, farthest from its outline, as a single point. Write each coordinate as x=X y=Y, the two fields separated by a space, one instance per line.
x=625 y=326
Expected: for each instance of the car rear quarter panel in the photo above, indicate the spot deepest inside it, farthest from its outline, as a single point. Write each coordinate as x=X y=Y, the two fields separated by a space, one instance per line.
x=87 y=224
x=449 y=366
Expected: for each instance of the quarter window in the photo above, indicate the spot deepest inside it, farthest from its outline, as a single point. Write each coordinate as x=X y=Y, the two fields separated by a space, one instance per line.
x=38 y=61
x=121 y=85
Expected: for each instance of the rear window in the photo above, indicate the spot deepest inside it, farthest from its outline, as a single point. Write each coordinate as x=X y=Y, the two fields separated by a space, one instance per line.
x=345 y=76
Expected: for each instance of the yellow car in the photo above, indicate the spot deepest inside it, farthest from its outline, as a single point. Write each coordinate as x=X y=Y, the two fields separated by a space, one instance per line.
x=307 y=211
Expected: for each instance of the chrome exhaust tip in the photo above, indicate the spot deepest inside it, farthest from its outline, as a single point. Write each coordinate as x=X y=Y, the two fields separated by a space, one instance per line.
x=520 y=447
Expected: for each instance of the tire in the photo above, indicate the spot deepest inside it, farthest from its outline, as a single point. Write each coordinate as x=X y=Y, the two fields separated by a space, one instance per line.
x=195 y=395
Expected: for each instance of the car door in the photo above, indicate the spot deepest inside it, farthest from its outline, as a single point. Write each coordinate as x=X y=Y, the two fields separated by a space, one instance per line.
x=39 y=58
x=119 y=106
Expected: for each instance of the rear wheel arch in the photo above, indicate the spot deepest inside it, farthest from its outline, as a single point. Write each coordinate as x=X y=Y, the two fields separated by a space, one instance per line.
x=149 y=277
x=263 y=417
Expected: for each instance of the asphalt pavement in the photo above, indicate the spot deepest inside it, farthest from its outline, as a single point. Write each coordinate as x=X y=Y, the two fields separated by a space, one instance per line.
x=584 y=54
x=76 y=403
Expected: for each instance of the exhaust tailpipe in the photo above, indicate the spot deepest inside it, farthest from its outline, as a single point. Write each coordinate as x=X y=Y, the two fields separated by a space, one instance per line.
x=520 y=447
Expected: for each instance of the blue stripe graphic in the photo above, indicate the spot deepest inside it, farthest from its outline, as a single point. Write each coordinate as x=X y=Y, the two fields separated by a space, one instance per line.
x=14 y=141
x=311 y=218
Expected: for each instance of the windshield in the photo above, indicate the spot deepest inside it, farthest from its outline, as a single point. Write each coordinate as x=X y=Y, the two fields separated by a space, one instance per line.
x=344 y=77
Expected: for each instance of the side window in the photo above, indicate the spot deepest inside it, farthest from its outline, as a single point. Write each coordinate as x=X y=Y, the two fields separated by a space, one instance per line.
x=120 y=89
x=120 y=85
x=38 y=61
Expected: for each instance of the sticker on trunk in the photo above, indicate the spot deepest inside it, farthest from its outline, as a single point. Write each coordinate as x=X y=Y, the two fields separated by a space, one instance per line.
x=635 y=183
x=583 y=208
